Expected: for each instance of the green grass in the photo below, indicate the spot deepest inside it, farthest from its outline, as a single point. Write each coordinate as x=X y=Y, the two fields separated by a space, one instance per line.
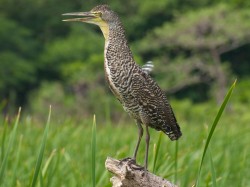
x=156 y=151
x=211 y=132
x=4 y=154
x=93 y=151
x=75 y=153
x=41 y=154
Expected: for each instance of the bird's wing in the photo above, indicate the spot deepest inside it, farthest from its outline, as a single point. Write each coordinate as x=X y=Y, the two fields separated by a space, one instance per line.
x=155 y=109
x=148 y=67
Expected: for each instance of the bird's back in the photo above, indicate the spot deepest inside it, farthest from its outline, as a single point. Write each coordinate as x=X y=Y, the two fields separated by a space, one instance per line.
x=146 y=102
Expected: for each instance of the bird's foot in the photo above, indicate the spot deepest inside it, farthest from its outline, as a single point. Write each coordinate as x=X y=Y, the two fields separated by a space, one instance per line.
x=128 y=159
x=145 y=171
x=131 y=162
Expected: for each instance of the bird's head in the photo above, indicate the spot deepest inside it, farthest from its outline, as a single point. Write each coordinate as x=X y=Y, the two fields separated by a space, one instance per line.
x=100 y=15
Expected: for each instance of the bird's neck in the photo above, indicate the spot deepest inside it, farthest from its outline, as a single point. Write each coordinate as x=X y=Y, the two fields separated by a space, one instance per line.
x=105 y=29
x=117 y=51
x=118 y=59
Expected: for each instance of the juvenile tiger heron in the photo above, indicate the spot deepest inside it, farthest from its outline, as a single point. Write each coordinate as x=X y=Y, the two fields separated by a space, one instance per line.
x=138 y=93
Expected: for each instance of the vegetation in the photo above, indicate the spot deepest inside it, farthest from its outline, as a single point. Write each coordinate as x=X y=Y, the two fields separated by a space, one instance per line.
x=198 y=49
x=70 y=149
x=41 y=56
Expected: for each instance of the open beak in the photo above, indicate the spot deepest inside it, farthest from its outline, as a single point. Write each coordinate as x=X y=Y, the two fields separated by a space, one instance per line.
x=83 y=16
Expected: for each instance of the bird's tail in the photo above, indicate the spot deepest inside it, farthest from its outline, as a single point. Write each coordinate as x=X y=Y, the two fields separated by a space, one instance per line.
x=174 y=133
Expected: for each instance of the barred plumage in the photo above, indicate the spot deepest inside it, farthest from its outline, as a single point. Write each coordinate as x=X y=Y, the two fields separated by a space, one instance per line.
x=138 y=93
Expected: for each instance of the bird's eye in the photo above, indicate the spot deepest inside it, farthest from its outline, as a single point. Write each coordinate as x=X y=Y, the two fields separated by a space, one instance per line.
x=99 y=14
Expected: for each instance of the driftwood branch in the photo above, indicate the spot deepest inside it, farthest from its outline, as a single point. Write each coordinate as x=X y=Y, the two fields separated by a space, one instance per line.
x=128 y=174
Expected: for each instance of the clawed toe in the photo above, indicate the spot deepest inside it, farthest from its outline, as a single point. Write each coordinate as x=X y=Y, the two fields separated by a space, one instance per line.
x=128 y=160
x=138 y=167
x=131 y=162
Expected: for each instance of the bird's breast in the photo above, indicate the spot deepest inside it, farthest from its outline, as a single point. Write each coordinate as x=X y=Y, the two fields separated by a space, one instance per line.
x=109 y=74
x=119 y=72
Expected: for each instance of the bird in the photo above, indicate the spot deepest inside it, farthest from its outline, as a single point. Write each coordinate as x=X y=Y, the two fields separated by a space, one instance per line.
x=140 y=96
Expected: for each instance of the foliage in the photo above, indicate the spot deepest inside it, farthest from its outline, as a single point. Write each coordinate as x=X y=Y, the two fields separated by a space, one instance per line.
x=42 y=48
x=68 y=149
x=16 y=68
x=196 y=40
x=211 y=132
x=204 y=30
x=41 y=154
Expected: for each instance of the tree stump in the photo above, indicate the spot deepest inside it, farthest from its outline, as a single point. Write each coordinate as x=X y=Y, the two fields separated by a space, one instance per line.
x=128 y=174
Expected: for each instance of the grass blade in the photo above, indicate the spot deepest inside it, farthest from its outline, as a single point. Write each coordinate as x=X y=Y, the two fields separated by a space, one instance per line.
x=176 y=161
x=47 y=164
x=4 y=133
x=212 y=170
x=102 y=178
x=93 y=152
x=56 y=167
x=216 y=120
x=41 y=184
x=17 y=161
x=156 y=151
x=41 y=152
x=10 y=145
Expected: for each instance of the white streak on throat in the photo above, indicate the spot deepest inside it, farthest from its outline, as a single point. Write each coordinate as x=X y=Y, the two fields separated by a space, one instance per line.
x=105 y=30
x=107 y=69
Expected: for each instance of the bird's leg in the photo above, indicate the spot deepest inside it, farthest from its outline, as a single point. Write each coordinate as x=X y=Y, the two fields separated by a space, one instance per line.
x=147 y=146
x=140 y=134
x=132 y=161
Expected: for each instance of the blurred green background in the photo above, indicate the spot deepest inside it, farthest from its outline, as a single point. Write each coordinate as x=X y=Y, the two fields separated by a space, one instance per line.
x=198 y=49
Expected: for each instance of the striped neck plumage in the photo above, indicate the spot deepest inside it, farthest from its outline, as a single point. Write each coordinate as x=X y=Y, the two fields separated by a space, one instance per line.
x=113 y=32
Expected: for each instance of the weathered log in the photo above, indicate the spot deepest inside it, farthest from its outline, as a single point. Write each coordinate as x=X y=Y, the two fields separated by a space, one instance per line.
x=128 y=174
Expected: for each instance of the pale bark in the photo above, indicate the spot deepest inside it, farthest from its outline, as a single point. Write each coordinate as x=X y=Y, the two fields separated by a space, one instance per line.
x=128 y=174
